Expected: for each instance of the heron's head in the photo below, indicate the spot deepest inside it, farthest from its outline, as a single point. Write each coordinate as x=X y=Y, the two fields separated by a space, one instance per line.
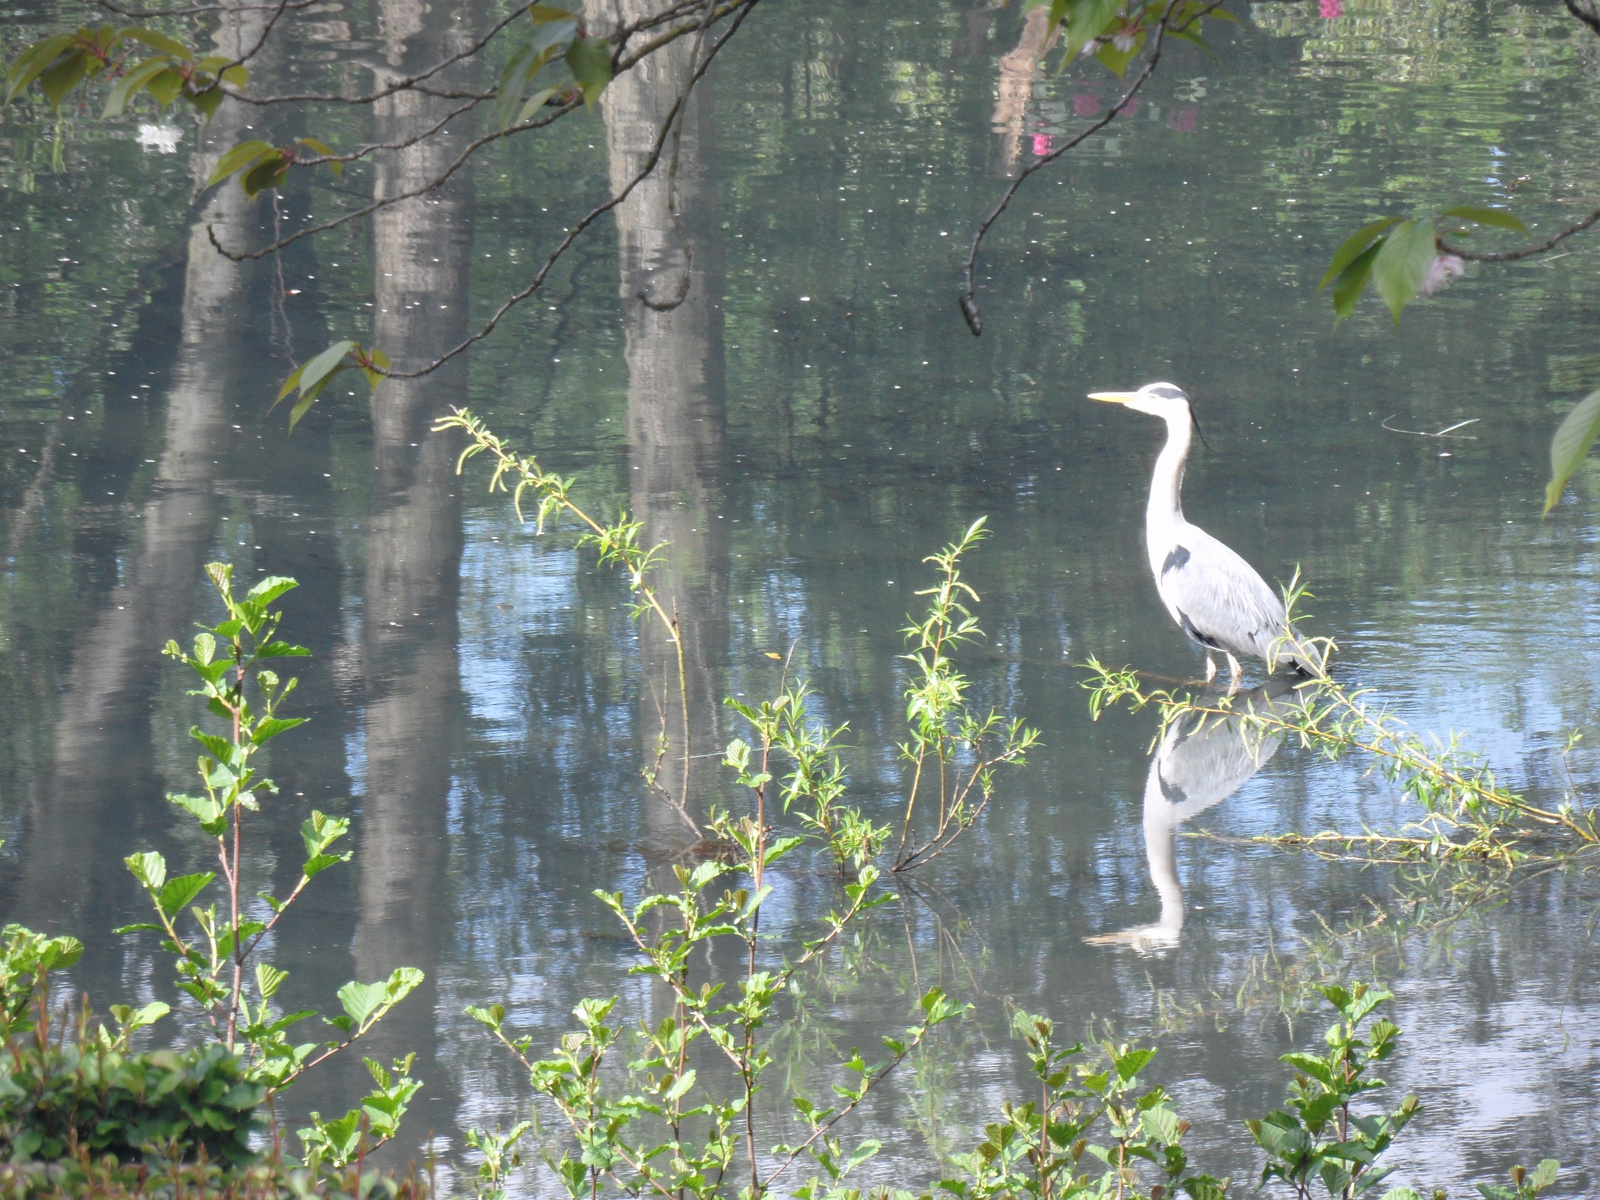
x=1164 y=400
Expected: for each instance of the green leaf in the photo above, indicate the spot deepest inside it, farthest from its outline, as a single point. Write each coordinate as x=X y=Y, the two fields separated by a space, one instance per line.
x=63 y=75
x=176 y=893
x=1131 y=1063
x=1352 y=281
x=361 y=1000
x=1116 y=61
x=237 y=159
x=282 y=650
x=590 y=60
x=1311 y=1065
x=1570 y=446
x=1354 y=246
x=131 y=1019
x=312 y=376
x=207 y=103
x=270 y=588
x=33 y=62
x=149 y=868
x=365 y=1002
x=533 y=104
x=380 y=364
x=1498 y=217
x=159 y=41
x=129 y=84
x=269 y=979
x=266 y=174
x=270 y=728
x=493 y=1016
x=211 y=815
x=1402 y=264
x=1088 y=20
x=1348 y=1152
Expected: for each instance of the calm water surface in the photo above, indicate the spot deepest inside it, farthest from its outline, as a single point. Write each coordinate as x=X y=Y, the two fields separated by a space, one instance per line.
x=809 y=423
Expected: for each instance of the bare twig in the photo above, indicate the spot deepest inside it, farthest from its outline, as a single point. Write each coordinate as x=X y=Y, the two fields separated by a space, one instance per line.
x=196 y=10
x=363 y=151
x=594 y=214
x=722 y=10
x=1449 y=431
x=1586 y=11
x=421 y=190
x=1550 y=243
x=389 y=88
x=969 y=306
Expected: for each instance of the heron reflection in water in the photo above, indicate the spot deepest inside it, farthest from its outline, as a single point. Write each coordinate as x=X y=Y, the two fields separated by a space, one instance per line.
x=1199 y=764
x=1216 y=597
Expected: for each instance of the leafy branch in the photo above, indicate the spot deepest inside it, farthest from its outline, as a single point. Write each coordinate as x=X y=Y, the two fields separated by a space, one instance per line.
x=617 y=543
x=953 y=750
x=1468 y=813
x=217 y=963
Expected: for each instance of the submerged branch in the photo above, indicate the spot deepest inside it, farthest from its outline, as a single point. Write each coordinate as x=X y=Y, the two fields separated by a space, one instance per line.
x=617 y=543
x=1469 y=814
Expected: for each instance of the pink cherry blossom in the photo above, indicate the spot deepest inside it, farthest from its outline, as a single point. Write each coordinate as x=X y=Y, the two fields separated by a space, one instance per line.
x=1332 y=9
x=1041 y=144
x=1445 y=268
x=1085 y=105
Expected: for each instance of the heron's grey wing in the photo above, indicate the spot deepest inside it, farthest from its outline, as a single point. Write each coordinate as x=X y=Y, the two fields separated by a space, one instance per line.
x=1218 y=598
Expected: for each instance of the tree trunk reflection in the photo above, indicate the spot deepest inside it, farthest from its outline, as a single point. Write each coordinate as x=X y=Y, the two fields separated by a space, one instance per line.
x=676 y=407
x=103 y=737
x=413 y=551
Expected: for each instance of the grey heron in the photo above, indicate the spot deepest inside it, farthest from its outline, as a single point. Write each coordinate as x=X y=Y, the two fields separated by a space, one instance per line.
x=1200 y=763
x=1216 y=597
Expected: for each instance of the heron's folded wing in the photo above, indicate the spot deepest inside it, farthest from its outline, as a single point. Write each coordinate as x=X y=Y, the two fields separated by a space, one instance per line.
x=1222 y=597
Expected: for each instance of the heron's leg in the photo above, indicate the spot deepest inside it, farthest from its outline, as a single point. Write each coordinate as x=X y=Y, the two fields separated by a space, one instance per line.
x=1211 y=667
x=1234 y=672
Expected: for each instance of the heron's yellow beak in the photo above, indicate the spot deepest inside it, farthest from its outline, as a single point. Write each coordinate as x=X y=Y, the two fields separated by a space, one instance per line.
x=1114 y=397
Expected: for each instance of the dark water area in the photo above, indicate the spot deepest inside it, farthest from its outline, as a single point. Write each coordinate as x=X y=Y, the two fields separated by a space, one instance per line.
x=810 y=422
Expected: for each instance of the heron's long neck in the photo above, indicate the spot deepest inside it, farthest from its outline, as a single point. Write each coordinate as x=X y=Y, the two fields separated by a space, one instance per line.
x=1160 y=831
x=1166 y=485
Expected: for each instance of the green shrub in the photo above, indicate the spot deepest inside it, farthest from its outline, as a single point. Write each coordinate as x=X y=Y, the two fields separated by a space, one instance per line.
x=83 y=1093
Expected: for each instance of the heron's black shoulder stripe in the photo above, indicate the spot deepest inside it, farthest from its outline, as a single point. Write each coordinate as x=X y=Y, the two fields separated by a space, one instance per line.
x=1188 y=627
x=1174 y=560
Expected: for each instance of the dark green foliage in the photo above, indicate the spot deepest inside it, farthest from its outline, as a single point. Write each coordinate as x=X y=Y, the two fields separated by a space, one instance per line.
x=268 y=1179
x=57 y=1098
